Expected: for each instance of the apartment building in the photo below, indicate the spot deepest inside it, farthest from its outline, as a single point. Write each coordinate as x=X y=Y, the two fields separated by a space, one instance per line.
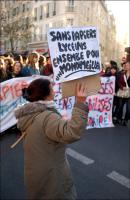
x=52 y=13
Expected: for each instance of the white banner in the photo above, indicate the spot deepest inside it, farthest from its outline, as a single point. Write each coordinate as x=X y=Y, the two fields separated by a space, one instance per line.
x=74 y=52
x=100 y=105
x=64 y=106
x=10 y=98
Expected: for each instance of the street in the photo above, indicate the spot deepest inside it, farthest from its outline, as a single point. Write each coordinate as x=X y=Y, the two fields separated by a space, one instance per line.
x=100 y=164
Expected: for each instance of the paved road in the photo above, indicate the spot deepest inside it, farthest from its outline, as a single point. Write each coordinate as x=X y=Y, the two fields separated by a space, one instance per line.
x=100 y=164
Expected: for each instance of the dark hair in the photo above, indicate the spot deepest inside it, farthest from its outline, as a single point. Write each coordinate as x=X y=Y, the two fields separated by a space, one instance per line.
x=15 y=62
x=41 y=60
x=113 y=63
x=114 y=67
x=37 y=90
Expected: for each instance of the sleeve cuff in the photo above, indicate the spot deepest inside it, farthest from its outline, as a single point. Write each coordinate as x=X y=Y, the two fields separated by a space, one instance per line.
x=82 y=106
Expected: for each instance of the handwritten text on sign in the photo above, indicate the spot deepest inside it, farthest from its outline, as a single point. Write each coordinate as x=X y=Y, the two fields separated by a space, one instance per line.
x=74 y=52
x=10 y=98
x=100 y=105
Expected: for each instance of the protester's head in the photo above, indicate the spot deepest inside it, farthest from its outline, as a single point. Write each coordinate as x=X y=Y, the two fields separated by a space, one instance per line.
x=123 y=66
x=33 y=59
x=123 y=60
x=47 y=56
x=2 y=64
x=48 y=60
x=24 y=58
x=6 y=55
x=107 y=68
x=113 y=63
x=42 y=60
x=18 y=58
x=3 y=74
x=107 y=65
x=39 y=89
x=127 y=66
x=113 y=70
x=17 y=67
x=8 y=62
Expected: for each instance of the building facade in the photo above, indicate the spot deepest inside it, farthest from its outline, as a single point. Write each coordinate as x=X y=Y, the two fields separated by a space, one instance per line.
x=52 y=13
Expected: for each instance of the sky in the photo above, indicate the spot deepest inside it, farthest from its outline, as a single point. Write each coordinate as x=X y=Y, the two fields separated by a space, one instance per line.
x=121 y=11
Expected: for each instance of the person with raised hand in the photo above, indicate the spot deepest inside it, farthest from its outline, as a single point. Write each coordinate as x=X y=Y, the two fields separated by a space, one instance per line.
x=46 y=168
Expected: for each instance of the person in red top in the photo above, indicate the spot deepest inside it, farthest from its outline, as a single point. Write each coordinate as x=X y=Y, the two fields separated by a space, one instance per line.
x=123 y=76
x=47 y=69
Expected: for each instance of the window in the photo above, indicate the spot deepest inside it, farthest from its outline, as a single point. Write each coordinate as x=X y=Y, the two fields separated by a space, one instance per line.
x=47 y=14
x=41 y=34
x=70 y=7
x=27 y=6
x=35 y=14
x=8 y=15
x=14 y=12
x=71 y=2
x=27 y=22
x=23 y=7
x=34 y=36
x=70 y=22
x=54 y=8
x=41 y=12
x=5 y=3
x=17 y=10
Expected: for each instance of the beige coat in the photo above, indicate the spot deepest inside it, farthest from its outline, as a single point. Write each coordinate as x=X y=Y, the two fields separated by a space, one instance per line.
x=46 y=169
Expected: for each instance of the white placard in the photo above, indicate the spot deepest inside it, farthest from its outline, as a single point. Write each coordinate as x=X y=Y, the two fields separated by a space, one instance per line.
x=74 y=52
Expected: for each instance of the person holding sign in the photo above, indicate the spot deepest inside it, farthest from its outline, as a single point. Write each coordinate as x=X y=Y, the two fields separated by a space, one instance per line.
x=46 y=168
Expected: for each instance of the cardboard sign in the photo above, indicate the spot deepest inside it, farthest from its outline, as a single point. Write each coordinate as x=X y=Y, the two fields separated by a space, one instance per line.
x=92 y=84
x=74 y=53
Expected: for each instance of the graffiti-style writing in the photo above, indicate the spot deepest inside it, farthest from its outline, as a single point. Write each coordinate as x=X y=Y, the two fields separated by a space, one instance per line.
x=13 y=89
x=99 y=120
x=100 y=105
x=106 y=88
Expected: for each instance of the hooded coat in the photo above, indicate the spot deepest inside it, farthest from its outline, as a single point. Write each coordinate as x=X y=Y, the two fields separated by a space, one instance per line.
x=46 y=169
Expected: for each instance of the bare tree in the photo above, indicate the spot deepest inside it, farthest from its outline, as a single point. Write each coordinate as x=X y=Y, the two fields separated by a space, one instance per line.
x=15 y=30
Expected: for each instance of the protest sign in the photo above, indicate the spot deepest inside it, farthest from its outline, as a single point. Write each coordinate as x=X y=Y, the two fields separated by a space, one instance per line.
x=92 y=83
x=74 y=52
x=63 y=105
x=100 y=105
x=10 y=98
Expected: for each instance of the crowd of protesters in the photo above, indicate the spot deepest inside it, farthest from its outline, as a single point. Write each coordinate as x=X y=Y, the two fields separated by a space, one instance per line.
x=22 y=66
x=36 y=64
x=121 y=104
